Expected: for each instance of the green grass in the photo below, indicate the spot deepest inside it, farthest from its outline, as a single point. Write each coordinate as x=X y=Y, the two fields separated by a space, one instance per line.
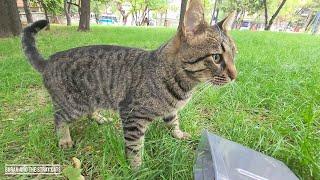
x=274 y=107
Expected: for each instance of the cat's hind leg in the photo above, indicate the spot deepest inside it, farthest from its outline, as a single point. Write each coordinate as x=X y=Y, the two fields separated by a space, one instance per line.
x=134 y=129
x=172 y=121
x=62 y=129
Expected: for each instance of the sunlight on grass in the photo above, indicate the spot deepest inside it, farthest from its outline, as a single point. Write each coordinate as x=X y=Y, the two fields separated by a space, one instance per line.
x=274 y=107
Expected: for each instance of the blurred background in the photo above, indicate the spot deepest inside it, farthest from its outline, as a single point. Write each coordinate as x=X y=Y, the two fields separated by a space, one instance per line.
x=275 y=15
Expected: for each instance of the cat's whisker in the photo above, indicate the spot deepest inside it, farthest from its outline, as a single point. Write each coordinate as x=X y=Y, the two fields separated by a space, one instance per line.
x=200 y=92
x=194 y=98
x=205 y=84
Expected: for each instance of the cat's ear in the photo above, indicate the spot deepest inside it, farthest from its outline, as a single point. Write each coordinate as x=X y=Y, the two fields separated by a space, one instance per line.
x=193 y=18
x=226 y=23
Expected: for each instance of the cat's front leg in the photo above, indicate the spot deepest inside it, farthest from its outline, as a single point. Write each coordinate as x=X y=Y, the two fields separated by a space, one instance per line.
x=172 y=121
x=134 y=130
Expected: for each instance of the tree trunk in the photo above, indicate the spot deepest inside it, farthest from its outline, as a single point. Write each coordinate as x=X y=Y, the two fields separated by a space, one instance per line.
x=273 y=17
x=125 y=19
x=27 y=11
x=123 y=13
x=67 y=12
x=265 y=14
x=308 y=21
x=143 y=17
x=183 y=8
x=217 y=14
x=237 y=22
x=137 y=14
x=165 y=24
x=241 y=17
x=45 y=9
x=213 y=16
x=9 y=18
x=84 y=23
x=161 y=19
x=106 y=6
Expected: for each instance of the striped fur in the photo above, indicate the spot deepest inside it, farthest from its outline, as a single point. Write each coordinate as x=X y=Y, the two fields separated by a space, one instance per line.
x=141 y=85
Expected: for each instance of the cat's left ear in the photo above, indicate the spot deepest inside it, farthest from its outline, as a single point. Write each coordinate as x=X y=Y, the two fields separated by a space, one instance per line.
x=226 y=23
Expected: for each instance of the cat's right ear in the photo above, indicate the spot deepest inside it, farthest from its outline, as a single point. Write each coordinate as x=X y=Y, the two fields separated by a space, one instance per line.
x=226 y=23
x=193 y=18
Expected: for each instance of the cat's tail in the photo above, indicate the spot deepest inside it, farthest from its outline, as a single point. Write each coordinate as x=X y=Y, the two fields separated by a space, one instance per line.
x=29 y=45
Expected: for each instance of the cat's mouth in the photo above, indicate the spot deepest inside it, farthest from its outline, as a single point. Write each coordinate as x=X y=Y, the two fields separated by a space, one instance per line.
x=220 y=80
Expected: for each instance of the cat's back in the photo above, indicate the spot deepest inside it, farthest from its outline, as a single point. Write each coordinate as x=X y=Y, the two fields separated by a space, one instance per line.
x=97 y=52
x=98 y=72
x=87 y=59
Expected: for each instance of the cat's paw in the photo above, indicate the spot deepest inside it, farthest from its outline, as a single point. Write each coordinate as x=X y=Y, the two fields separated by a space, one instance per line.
x=65 y=143
x=178 y=134
x=100 y=119
x=135 y=163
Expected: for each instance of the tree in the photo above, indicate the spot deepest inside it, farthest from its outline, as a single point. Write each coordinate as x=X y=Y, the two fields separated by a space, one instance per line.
x=67 y=4
x=183 y=8
x=124 y=13
x=314 y=6
x=268 y=23
x=141 y=9
x=215 y=13
x=45 y=8
x=158 y=6
x=96 y=9
x=27 y=11
x=53 y=7
x=67 y=11
x=242 y=8
x=84 y=23
x=163 y=10
x=9 y=18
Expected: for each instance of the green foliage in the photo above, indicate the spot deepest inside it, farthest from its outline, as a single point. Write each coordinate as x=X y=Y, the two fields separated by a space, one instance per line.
x=250 y=6
x=208 y=7
x=97 y=7
x=53 y=6
x=140 y=8
x=157 y=5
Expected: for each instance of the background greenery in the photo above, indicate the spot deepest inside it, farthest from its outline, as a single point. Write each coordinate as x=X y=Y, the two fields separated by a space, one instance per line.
x=274 y=107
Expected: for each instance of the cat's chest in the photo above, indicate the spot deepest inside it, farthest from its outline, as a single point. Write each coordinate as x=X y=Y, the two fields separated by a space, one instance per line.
x=180 y=104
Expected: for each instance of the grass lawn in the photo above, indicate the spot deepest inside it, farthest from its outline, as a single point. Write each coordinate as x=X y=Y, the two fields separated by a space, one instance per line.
x=274 y=107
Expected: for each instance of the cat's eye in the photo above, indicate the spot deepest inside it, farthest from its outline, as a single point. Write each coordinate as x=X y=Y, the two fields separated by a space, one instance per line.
x=216 y=58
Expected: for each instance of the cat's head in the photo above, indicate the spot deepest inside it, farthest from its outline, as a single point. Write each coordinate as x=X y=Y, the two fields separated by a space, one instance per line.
x=207 y=52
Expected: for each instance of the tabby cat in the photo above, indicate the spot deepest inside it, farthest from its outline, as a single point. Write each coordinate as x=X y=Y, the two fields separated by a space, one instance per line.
x=140 y=85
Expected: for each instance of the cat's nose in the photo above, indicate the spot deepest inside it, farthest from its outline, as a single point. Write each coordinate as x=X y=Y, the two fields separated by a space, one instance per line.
x=233 y=77
x=232 y=73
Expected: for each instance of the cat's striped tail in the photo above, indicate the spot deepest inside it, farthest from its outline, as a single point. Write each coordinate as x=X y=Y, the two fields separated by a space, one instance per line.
x=29 y=45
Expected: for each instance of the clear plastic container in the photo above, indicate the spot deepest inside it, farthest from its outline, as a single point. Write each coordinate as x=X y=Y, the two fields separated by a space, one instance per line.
x=221 y=159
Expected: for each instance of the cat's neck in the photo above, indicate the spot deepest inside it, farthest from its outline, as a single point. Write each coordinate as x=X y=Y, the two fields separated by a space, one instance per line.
x=174 y=72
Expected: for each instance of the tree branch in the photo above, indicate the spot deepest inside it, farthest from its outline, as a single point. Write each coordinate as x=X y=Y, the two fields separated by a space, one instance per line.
x=73 y=4
x=275 y=14
x=277 y=11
